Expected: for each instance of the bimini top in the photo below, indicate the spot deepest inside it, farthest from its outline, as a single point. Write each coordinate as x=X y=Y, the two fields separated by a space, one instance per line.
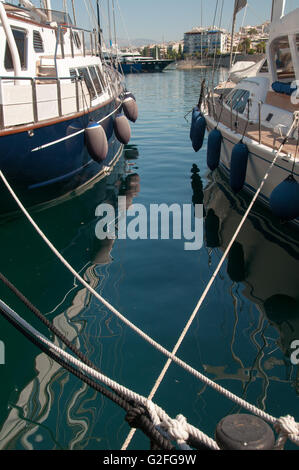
x=283 y=48
x=287 y=24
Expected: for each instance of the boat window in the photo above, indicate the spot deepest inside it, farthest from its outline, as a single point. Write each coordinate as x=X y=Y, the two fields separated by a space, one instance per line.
x=38 y=44
x=101 y=77
x=77 y=40
x=238 y=100
x=83 y=72
x=241 y=102
x=20 y=36
x=95 y=79
x=73 y=74
x=283 y=62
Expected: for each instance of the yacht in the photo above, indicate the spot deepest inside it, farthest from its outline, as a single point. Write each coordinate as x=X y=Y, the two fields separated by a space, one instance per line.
x=253 y=121
x=64 y=112
x=135 y=63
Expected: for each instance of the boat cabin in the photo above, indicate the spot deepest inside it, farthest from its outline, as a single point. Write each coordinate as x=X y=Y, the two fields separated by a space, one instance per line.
x=49 y=68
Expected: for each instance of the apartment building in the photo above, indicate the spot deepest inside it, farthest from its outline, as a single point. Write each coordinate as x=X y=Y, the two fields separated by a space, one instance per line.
x=206 y=41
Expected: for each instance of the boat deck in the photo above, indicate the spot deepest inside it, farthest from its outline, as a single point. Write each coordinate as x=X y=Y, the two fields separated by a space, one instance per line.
x=239 y=124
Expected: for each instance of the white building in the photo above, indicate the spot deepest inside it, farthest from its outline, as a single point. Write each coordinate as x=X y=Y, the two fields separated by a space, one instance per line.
x=206 y=41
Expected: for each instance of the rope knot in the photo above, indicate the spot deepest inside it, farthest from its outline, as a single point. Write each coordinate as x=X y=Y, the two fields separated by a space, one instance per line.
x=134 y=416
x=287 y=428
x=177 y=429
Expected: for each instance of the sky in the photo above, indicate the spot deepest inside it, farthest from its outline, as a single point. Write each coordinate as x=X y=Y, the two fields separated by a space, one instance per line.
x=168 y=20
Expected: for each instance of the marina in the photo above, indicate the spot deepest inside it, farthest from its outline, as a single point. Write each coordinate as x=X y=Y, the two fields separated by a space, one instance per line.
x=118 y=300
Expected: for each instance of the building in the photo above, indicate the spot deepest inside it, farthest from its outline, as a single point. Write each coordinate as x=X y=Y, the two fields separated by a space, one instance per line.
x=257 y=31
x=206 y=41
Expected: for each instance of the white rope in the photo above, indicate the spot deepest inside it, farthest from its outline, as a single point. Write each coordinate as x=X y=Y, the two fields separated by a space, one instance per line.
x=178 y=429
x=287 y=428
x=147 y=338
x=198 y=306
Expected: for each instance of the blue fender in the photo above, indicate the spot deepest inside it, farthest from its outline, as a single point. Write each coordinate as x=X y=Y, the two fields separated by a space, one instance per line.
x=284 y=200
x=199 y=130
x=238 y=167
x=214 y=149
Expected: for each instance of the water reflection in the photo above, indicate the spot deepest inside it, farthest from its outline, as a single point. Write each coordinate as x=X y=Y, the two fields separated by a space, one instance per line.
x=197 y=187
x=53 y=396
x=263 y=264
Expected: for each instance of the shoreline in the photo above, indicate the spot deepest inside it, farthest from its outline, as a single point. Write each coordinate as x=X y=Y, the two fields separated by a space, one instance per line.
x=224 y=61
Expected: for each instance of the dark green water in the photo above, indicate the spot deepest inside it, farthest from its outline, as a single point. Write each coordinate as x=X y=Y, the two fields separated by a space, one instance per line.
x=240 y=337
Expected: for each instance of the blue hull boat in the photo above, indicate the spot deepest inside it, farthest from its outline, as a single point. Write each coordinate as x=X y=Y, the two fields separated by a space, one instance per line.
x=61 y=107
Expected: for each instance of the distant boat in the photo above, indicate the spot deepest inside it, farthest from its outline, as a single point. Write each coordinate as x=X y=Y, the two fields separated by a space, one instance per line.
x=133 y=63
x=59 y=105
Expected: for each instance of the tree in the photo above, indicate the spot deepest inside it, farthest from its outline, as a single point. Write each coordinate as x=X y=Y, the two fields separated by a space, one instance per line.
x=261 y=47
x=244 y=46
x=180 y=52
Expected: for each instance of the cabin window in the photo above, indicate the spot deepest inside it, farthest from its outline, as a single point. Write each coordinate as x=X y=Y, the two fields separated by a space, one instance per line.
x=83 y=72
x=283 y=62
x=77 y=40
x=20 y=36
x=95 y=79
x=238 y=100
x=73 y=75
x=38 y=44
x=101 y=78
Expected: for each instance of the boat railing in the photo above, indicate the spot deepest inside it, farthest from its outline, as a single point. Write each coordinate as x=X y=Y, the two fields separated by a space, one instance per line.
x=85 y=41
x=66 y=95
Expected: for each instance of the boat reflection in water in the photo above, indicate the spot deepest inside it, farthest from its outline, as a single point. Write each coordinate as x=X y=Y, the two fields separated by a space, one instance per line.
x=36 y=417
x=263 y=263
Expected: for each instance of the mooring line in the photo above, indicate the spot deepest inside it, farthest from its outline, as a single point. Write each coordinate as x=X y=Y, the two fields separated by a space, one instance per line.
x=201 y=300
x=158 y=416
x=171 y=355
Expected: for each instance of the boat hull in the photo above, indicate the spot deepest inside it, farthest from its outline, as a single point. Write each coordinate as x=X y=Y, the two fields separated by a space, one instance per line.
x=259 y=161
x=51 y=161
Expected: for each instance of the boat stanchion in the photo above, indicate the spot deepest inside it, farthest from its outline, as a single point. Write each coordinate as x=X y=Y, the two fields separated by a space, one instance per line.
x=122 y=129
x=96 y=141
x=244 y=432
